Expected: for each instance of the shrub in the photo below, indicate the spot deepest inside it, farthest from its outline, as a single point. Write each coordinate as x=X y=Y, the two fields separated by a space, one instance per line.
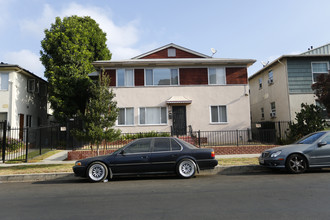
x=13 y=144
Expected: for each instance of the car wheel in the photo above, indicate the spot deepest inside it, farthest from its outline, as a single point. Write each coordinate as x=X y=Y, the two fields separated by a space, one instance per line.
x=97 y=172
x=296 y=163
x=186 y=168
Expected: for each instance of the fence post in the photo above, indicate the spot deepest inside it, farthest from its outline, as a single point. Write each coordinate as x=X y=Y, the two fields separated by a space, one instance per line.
x=199 y=138
x=27 y=145
x=237 y=138
x=4 y=141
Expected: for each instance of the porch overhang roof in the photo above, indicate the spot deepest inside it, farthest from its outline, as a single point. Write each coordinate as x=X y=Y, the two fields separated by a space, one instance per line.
x=178 y=100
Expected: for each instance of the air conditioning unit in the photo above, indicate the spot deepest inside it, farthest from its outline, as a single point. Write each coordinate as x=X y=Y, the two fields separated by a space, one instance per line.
x=273 y=114
x=270 y=81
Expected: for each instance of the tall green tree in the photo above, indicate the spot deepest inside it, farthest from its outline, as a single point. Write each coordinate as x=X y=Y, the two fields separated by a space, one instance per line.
x=308 y=120
x=100 y=116
x=68 y=49
x=322 y=90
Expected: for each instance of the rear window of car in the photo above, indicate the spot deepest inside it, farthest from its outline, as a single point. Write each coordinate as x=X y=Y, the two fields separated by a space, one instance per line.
x=187 y=144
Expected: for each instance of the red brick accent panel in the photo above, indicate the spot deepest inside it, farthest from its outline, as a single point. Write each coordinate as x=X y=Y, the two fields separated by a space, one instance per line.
x=139 y=77
x=78 y=155
x=112 y=74
x=236 y=75
x=193 y=76
x=240 y=149
x=162 y=54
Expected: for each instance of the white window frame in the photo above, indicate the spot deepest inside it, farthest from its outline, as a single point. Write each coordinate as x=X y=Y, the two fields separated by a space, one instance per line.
x=160 y=116
x=171 y=52
x=216 y=83
x=219 y=122
x=153 y=77
x=270 y=77
x=319 y=72
x=260 y=83
x=125 y=85
x=126 y=117
x=2 y=74
x=31 y=85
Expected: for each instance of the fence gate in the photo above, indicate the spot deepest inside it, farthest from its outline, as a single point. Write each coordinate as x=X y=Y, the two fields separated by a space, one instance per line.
x=14 y=143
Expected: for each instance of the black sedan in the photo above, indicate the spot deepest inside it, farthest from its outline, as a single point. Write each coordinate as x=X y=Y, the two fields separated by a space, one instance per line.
x=148 y=156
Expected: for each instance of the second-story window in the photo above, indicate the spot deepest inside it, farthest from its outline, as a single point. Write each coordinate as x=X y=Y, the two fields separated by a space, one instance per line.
x=260 y=83
x=125 y=77
x=270 y=77
x=319 y=68
x=4 y=79
x=161 y=77
x=217 y=76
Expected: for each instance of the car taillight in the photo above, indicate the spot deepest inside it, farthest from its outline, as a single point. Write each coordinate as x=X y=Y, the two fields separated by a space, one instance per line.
x=212 y=154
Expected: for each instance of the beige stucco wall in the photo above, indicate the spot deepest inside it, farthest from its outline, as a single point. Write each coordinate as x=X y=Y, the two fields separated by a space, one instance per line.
x=235 y=97
x=297 y=99
x=276 y=92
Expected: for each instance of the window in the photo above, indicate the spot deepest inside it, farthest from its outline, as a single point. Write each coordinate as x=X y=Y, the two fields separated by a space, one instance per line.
x=260 y=83
x=272 y=110
x=139 y=146
x=125 y=77
x=153 y=116
x=171 y=52
x=4 y=80
x=28 y=121
x=218 y=114
x=270 y=77
x=126 y=116
x=318 y=69
x=162 y=144
x=31 y=87
x=3 y=116
x=217 y=76
x=262 y=113
x=161 y=77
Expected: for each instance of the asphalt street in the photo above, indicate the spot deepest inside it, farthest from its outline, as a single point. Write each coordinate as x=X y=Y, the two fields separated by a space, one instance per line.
x=266 y=195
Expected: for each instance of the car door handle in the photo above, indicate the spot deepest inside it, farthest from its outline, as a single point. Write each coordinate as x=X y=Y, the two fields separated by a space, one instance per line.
x=144 y=157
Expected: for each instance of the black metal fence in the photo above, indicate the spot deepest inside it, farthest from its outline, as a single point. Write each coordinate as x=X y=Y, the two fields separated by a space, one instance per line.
x=22 y=144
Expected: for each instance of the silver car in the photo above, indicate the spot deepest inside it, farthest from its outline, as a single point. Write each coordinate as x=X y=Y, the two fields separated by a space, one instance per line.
x=312 y=151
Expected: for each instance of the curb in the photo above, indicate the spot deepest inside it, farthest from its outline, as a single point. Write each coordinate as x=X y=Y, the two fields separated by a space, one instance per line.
x=218 y=170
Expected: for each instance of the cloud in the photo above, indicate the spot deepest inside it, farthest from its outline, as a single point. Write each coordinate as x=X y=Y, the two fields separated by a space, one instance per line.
x=27 y=60
x=121 y=39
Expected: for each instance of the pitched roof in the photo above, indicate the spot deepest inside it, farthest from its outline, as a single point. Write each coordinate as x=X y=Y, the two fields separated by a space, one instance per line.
x=171 y=45
x=17 y=67
x=322 y=50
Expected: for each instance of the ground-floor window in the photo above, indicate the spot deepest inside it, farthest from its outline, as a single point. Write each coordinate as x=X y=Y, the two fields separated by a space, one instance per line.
x=126 y=116
x=219 y=114
x=153 y=116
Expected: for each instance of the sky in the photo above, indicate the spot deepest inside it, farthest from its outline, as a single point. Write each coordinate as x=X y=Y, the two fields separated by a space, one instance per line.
x=255 y=29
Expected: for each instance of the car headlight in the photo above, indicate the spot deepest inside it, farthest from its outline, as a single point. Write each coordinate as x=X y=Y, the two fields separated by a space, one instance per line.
x=78 y=163
x=275 y=154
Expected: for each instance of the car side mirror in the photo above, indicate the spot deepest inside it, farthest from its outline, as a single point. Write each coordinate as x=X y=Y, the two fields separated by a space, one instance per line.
x=322 y=143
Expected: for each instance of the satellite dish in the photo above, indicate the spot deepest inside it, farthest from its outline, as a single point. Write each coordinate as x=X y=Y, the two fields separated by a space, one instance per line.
x=213 y=51
x=264 y=63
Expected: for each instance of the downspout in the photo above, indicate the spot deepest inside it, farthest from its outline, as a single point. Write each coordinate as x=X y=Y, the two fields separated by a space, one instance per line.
x=287 y=87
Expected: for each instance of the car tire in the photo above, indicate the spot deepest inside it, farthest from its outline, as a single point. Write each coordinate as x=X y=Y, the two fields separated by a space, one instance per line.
x=186 y=168
x=97 y=172
x=296 y=163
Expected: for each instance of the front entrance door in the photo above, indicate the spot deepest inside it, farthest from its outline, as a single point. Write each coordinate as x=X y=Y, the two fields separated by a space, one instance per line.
x=179 y=120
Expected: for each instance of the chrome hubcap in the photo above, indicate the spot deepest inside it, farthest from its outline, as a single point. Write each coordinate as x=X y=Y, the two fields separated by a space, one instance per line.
x=96 y=172
x=187 y=168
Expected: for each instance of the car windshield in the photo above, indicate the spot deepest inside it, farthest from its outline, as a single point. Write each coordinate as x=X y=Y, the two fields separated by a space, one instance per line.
x=310 y=138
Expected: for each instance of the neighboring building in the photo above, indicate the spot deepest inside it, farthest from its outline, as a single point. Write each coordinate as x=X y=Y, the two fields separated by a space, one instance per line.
x=175 y=87
x=23 y=97
x=278 y=89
